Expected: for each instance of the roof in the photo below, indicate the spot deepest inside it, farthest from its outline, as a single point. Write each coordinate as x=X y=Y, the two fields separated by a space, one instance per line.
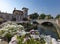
x=20 y=12
x=24 y=8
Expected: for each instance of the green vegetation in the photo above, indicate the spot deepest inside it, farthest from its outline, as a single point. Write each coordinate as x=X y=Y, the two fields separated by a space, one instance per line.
x=58 y=16
x=42 y=41
x=48 y=17
x=28 y=26
x=25 y=19
x=8 y=36
x=43 y=16
x=31 y=41
x=34 y=16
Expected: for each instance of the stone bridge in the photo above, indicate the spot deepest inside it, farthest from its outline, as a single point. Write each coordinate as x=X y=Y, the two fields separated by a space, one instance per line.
x=53 y=21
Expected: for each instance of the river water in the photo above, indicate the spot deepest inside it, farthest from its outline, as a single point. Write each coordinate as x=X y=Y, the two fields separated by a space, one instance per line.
x=52 y=31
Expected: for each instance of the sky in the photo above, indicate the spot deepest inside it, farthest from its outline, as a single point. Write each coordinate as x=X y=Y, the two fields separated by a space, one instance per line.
x=40 y=6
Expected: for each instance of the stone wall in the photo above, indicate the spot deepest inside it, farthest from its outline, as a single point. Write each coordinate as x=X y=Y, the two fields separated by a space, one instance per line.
x=58 y=22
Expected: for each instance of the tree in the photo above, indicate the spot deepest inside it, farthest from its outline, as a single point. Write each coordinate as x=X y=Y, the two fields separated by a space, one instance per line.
x=13 y=19
x=42 y=16
x=58 y=16
x=34 y=16
x=25 y=19
x=48 y=17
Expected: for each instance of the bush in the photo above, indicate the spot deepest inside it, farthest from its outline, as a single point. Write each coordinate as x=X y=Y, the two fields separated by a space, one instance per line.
x=8 y=36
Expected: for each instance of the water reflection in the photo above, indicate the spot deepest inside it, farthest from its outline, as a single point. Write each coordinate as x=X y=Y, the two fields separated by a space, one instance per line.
x=48 y=29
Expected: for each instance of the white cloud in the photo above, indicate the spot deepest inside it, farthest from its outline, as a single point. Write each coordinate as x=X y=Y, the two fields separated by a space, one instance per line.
x=4 y=5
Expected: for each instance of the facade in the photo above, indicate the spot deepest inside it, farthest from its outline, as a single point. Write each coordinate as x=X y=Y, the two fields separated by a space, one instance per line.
x=17 y=15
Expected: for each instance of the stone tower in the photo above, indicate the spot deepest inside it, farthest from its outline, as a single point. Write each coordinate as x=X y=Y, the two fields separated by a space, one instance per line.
x=25 y=12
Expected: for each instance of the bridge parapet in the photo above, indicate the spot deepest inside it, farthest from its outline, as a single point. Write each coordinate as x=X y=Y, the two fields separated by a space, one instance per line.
x=47 y=20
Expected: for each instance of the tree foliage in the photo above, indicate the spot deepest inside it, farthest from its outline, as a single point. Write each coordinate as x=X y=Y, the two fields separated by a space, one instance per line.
x=34 y=16
x=49 y=17
x=25 y=19
x=42 y=16
x=58 y=16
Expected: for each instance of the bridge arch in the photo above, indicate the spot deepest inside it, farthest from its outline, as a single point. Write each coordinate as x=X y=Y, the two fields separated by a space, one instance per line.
x=53 y=31
x=50 y=21
x=47 y=24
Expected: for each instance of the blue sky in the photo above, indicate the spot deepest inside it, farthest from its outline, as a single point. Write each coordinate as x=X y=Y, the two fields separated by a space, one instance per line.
x=40 y=6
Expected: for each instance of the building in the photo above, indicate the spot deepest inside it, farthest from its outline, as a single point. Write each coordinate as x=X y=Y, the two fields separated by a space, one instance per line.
x=17 y=15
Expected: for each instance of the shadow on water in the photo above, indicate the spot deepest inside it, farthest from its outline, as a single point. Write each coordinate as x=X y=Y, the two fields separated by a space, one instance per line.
x=48 y=28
